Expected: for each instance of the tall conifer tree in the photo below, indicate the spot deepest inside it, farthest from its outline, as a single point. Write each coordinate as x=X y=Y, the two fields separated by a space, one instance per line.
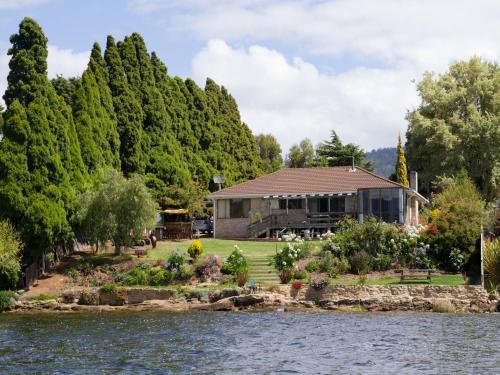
x=401 y=170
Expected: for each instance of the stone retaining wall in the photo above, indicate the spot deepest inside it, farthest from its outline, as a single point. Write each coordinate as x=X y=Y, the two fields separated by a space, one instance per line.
x=399 y=297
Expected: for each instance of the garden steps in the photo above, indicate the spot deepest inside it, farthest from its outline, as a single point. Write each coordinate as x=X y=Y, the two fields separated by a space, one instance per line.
x=261 y=271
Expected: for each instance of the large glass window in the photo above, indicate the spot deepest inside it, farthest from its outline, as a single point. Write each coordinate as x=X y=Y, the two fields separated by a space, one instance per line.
x=337 y=204
x=383 y=204
x=239 y=208
x=293 y=204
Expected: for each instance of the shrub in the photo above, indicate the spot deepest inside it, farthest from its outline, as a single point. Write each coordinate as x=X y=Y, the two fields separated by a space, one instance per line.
x=85 y=268
x=109 y=288
x=195 y=249
x=160 y=276
x=360 y=262
x=381 y=262
x=210 y=267
x=333 y=266
x=174 y=261
x=312 y=266
x=286 y=257
x=331 y=247
x=88 y=297
x=286 y=275
x=457 y=260
x=140 y=275
x=492 y=263
x=186 y=272
x=235 y=262
x=455 y=221
x=319 y=281
x=10 y=247
x=242 y=276
x=300 y=275
x=6 y=299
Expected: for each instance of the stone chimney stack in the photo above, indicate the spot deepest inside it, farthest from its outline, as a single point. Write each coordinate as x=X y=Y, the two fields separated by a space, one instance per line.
x=414 y=180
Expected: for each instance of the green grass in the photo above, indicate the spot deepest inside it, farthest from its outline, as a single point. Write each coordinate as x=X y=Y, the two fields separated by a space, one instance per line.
x=218 y=247
x=43 y=297
x=258 y=253
x=435 y=280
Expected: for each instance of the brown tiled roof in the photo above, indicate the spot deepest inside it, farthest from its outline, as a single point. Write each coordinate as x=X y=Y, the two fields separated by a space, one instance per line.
x=295 y=181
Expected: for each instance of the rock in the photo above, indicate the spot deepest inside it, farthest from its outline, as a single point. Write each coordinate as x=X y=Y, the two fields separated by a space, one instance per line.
x=115 y=298
x=247 y=300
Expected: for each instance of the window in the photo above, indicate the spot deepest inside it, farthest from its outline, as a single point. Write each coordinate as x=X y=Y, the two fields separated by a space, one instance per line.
x=223 y=209
x=385 y=204
x=323 y=205
x=239 y=208
x=293 y=204
x=337 y=204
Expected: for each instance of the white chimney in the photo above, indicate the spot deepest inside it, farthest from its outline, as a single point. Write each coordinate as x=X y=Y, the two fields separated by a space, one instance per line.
x=414 y=180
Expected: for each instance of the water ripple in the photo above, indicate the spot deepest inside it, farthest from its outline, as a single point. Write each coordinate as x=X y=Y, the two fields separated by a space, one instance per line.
x=250 y=343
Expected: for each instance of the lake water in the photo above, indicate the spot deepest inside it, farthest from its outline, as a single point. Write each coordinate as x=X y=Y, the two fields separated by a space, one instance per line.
x=250 y=343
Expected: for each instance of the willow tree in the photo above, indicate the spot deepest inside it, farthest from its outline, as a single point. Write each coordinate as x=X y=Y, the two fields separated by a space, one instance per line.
x=457 y=125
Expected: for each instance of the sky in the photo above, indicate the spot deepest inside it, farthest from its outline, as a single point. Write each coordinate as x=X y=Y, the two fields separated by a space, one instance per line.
x=296 y=68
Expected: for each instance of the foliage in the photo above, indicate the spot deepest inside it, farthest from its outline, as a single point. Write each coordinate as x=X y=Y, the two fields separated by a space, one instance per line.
x=312 y=266
x=195 y=249
x=455 y=221
x=457 y=125
x=337 y=154
x=175 y=262
x=6 y=298
x=88 y=297
x=43 y=297
x=491 y=261
x=10 y=247
x=360 y=262
x=270 y=152
x=236 y=262
x=109 y=288
x=210 y=267
x=401 y=170
x=319 y=281
x=301 y=155
x=118 y=209
x=381 y=262
x=125 y=112
x=285 y=275
x=300 y=275
x=333 y=265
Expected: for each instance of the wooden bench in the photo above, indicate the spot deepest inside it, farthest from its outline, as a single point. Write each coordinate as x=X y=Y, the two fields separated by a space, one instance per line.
x=415 y=275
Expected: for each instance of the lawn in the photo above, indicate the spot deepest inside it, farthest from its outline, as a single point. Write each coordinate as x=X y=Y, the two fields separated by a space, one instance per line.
x=259 y=253
x=435 y=280
x=218 y=247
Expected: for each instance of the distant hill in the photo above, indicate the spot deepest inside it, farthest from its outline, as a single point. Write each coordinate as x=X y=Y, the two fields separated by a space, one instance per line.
x=384 y=160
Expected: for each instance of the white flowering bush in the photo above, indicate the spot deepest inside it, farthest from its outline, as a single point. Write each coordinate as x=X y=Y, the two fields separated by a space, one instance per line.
x=235 y=263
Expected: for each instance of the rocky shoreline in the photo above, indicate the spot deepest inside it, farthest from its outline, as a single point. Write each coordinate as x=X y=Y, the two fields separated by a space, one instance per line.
x=277 y=298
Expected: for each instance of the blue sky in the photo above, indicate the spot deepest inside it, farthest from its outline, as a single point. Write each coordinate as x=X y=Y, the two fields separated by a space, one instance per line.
x=297 y=68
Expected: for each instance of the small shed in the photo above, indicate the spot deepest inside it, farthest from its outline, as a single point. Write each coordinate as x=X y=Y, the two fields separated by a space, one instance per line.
x=173 y=224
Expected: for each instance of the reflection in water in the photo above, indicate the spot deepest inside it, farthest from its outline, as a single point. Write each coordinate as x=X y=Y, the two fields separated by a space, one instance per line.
x=250 y=343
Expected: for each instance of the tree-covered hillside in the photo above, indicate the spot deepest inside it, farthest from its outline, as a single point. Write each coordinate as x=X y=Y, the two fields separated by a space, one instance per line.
x=383 y=159
x=124 y=112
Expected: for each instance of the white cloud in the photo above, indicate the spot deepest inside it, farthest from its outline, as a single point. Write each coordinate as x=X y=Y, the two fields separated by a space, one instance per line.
x=65 y=62
x=293 y=100
x=418 y=32
x=15 y=4
x=381 y=46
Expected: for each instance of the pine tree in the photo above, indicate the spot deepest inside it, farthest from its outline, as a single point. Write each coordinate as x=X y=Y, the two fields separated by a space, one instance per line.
x=128 y=111
x=41 y=160
x=401 y=171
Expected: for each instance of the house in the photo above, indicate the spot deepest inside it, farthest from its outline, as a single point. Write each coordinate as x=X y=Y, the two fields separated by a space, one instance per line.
x=311 y=200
